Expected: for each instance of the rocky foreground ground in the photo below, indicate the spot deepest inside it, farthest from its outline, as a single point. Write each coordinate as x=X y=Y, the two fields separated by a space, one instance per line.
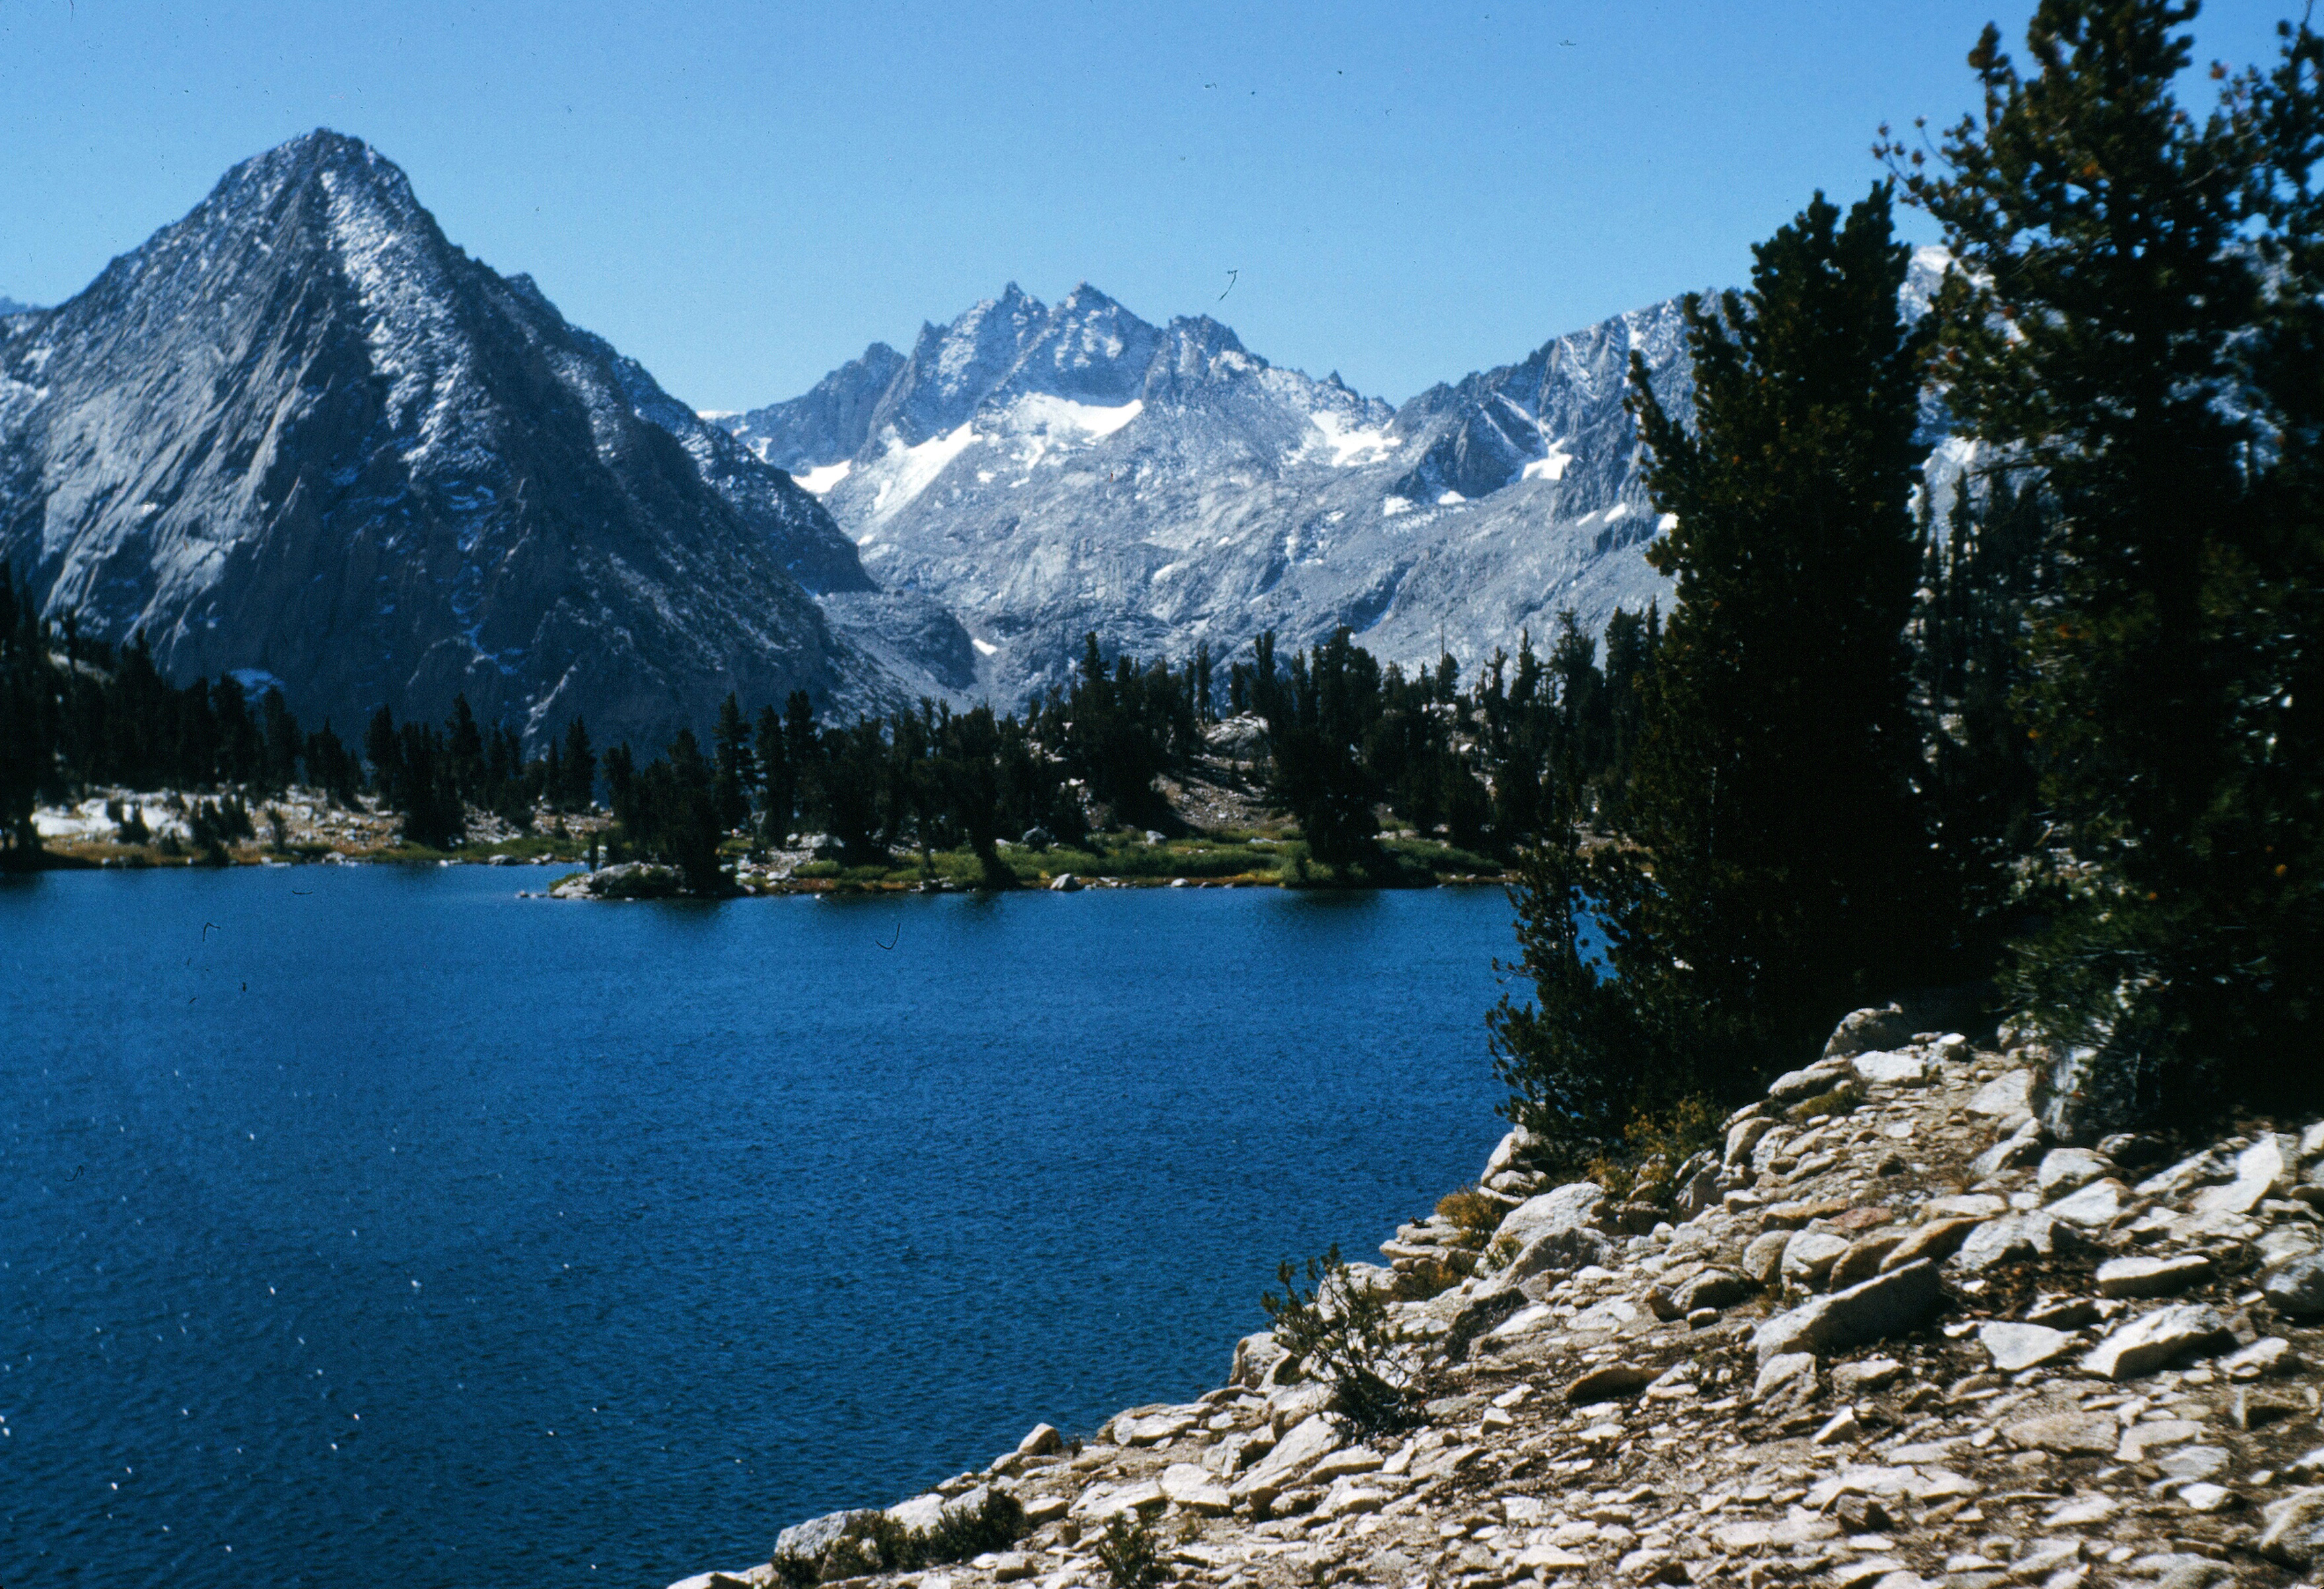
x=1889 y=1339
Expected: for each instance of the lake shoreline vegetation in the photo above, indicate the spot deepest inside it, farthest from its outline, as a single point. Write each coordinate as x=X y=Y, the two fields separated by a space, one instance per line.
x=1324 y=770
x=2044 y=740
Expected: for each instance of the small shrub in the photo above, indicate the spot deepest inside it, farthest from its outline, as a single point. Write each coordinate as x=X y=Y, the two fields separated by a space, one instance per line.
x=1343 y=1333
x=878 y=1543
x=1654 y=1144
x=1839 y=1101
x=958 y=1536
x=1471 y=1210
x=1126 y=1551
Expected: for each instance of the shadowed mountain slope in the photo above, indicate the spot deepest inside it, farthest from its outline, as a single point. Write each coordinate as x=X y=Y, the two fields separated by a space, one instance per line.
x=298 y=433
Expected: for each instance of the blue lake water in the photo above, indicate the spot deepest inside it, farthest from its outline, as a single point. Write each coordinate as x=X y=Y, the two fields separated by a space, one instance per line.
x=372 y=1226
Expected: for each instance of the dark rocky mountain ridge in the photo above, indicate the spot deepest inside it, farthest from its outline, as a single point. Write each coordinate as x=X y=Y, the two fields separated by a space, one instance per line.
x=298 y=433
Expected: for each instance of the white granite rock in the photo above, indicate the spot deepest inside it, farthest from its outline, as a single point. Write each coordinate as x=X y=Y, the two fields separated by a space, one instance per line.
x=2067 y=1169
x=2152 y=1277
x=2015 y=1346
x=1900 y=1070
x=2094 y=1207
x=2153 y=1340
x=1862 y=1314
x=1809 y=1256
x=2010 y=1093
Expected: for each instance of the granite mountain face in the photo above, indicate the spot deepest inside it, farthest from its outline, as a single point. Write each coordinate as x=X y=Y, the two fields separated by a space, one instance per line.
x=300 y=435
x=1044 y=472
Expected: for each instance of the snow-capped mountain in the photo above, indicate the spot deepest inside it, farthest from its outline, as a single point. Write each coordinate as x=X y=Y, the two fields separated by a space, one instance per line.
x=298 y=432
x=1044 y=472
x=9 y=306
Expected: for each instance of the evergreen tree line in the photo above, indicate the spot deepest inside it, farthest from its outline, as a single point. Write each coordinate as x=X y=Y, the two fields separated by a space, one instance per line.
x=1533 y=744
x=932 y=779
x=432 y=776
x=76 y=712
x=1344 y=737
x=2064 y=733
x=1534 y=740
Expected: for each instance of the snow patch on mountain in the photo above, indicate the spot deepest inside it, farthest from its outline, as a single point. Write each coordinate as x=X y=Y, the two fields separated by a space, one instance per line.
x=901 y=472
x=1350 y=444
x=1040 y=415
x=1551 y=466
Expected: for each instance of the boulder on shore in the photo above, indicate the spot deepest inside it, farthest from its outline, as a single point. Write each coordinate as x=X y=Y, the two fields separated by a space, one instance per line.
x=630 y=879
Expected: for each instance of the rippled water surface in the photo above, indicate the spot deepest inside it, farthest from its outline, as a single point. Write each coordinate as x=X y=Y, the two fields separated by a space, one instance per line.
x=365 y=1225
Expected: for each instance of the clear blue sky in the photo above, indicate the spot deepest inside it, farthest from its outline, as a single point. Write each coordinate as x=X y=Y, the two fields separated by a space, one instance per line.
x=743 y=196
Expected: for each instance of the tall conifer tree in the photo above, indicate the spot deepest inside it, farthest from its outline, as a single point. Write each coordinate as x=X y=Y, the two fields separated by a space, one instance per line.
x=1775 y=870
x=2113 y=333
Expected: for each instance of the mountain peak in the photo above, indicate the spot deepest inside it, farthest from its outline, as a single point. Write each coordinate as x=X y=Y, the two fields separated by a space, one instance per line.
x=306 y=157
x=367 y=464
x=1089 y=349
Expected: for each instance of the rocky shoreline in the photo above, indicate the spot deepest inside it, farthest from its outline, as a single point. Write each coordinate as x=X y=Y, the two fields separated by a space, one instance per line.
x=1889 y=1336
x=644 y=880
x=131 y=829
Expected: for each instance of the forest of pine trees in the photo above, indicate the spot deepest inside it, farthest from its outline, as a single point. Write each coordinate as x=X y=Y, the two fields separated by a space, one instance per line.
x=2067 y=733
x=77 y=713
x=1345 y=739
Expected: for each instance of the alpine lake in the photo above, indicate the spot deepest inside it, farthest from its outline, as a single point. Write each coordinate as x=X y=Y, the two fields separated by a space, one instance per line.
x=376 y=1225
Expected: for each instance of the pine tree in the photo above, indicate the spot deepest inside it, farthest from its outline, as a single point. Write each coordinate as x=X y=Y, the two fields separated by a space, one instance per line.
x=283 y=741
x=1980 y=581
x=28 y=692
x=1632 y=640
x=802 y=745
x=1776 y=872
x=688 y=828
x=379 y=750
x=1318 y=715
x=464 y=749
x=2112 y=333
x=778 y=781
x=580 y=789
x=331 y=767
x=969 y=770
x=622 y=789
x=731 y=751
x=850 y=777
